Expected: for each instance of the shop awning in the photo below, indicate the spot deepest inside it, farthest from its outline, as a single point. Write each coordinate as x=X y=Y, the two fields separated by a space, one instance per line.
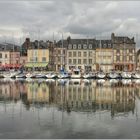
x=38 y=64
x=11 y=66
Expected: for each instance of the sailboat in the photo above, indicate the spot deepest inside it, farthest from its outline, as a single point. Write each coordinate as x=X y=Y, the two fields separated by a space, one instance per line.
x=89 y=75
x=136 y=75
x=10 y=74
x=51 y=75
x=63 y=74
x=30 y=75
x=113 y=75
x=22 y=75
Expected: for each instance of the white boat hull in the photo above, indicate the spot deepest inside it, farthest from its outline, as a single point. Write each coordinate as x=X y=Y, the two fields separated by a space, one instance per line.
x=88 y=76
x=10 y=75
x=101 y=76
x=126 y=75
x=136 y=76
x=63 y=76
x=29 y=75
x=40 y=76
x=75 y=76
x=21 y=76
x=51 y=76
x=113 y=76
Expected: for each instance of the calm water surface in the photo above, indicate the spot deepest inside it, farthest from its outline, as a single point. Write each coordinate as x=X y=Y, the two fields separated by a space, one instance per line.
x=69 y=108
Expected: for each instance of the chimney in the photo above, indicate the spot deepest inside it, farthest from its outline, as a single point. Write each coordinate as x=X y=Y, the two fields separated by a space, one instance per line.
x=112 y=36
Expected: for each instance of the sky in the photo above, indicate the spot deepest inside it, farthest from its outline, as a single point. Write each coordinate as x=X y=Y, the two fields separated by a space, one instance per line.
x=48 y=20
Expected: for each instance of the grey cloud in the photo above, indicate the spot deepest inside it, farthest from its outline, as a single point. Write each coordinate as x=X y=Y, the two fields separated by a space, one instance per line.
x=40 y=19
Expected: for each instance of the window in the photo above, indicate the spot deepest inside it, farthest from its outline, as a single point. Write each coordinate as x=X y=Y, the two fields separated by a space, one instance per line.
x=79 y=61
x=31 y=59
x=59 y=59
x=74 y=54
x=59 y=52
x=74 y=61
x=118 y=58
x=5 y=55
x=70 y=61
x=109 y=45
x=85 y=61
x=17 y=61
x=43 y=59
x=90 y=54
x=79 y=54
x=79 y=46
x=44 y=52
x=117 y=51
x=85 y=46
x=85 y=54
x=74 y=46
x=131 y=51
x=35 y=52
x=90 y=46
x=90 y=61
x=104 y=45
x=0 y=55
x=35 y=59
x=70 y=54
x=130 y=58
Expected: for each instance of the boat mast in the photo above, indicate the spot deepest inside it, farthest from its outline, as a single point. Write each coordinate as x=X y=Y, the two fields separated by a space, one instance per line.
x=62 y=52
x=136 y=53
x=100 y=56
x=88 y=56
x=13 y=52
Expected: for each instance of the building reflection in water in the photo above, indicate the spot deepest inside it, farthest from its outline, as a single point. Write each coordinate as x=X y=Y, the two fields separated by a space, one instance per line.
x=117 y=97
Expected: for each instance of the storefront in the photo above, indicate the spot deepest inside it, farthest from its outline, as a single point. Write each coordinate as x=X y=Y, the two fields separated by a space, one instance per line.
x=36 y=66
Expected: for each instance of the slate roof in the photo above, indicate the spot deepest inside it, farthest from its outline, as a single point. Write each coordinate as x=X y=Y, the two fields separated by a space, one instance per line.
x=9 y=47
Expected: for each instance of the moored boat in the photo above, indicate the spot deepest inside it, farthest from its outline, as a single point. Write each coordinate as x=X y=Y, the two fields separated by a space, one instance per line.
x=63 y=75
x=126 y=75
x=40 y=75
x=113 y=75
x=100 y=75
x=88 y=75
x=76 y=74
x=30 y=75
x=51 y=75
x=136 y=75
x=21 y=75
x=10 y=74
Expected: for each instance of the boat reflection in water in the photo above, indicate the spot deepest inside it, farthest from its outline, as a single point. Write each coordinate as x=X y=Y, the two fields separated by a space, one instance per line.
x=55 y=101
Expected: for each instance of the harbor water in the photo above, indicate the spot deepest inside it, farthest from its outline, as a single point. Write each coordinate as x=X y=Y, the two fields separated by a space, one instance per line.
x=69 y=108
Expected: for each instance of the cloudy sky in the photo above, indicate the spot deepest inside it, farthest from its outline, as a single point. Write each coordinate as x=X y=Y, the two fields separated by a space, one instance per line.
x=77 y=18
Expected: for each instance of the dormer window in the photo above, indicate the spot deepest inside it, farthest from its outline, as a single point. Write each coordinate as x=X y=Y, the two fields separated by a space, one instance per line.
x=104 y=45
x=85 y=46
x=90 y=46
x=109 y=45
x=74 y=46
x=79 y=46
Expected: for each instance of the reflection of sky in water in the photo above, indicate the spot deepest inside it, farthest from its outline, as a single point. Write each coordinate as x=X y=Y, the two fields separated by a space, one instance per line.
x=65 y=109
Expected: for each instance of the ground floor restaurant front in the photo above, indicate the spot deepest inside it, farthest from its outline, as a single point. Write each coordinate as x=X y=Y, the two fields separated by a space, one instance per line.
x=124 y=67
x=37 y=66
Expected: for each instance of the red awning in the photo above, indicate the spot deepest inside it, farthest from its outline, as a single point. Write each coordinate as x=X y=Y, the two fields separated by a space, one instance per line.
x=11 y=66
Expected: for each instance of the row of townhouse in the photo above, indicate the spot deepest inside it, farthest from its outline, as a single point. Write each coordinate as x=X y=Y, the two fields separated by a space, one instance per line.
x=117 y=53
x=9 y=55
